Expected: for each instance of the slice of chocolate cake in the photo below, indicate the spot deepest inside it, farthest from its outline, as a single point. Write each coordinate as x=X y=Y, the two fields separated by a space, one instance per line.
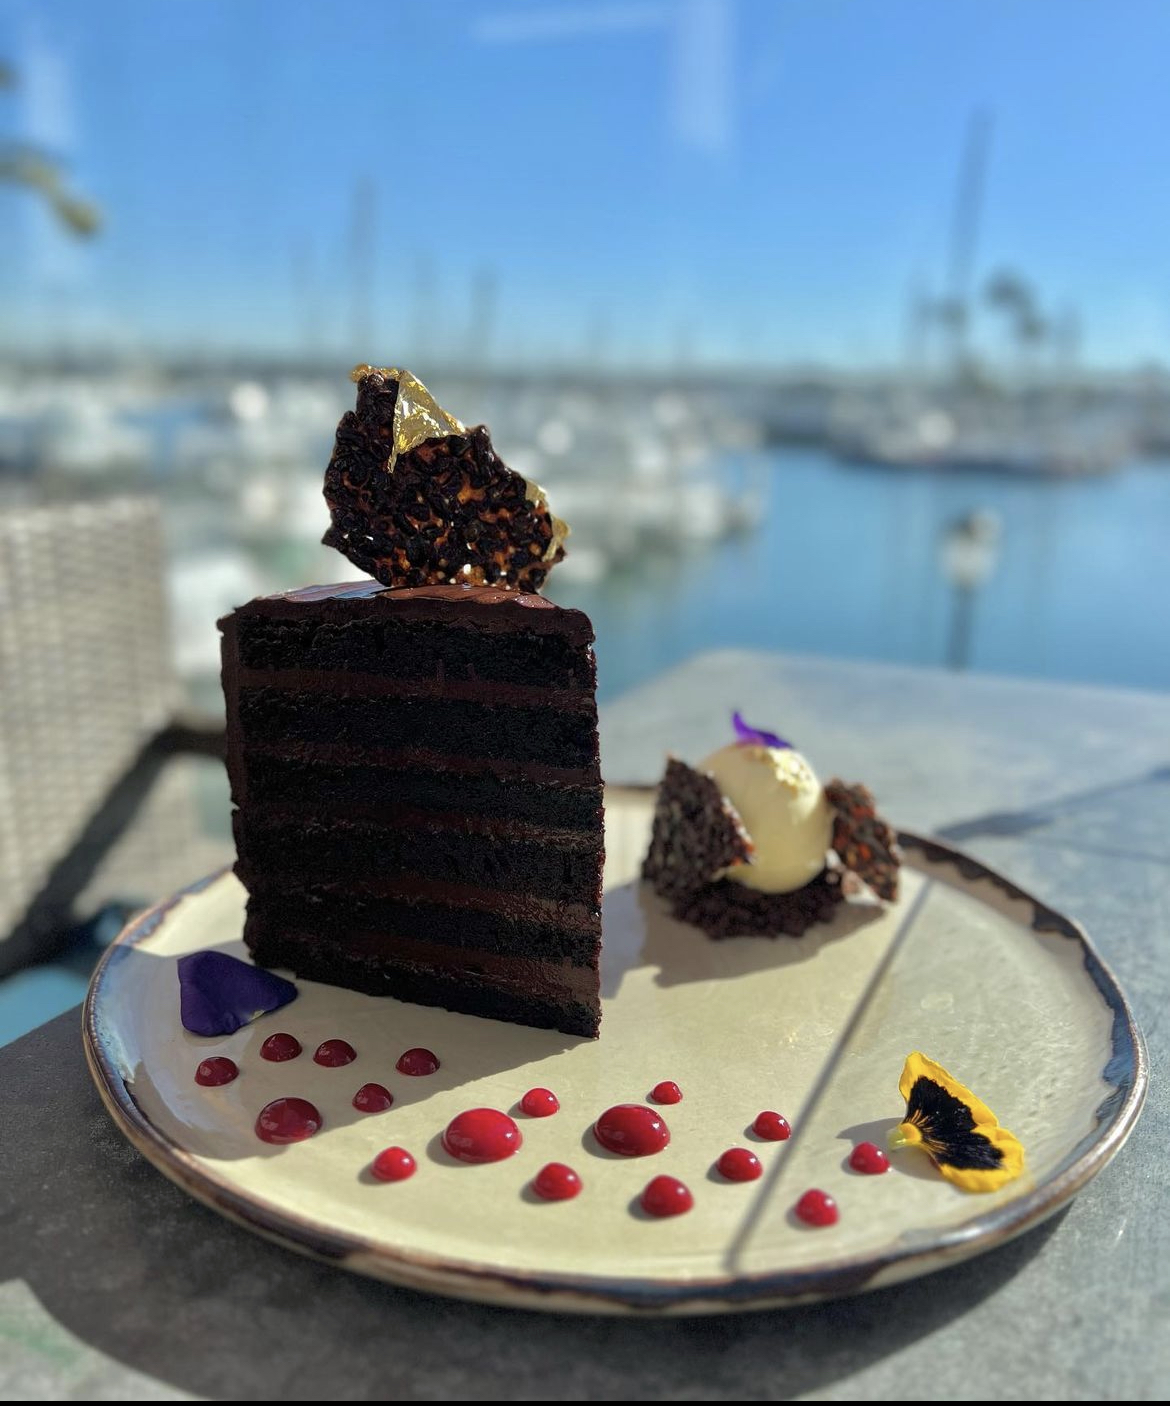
x=418 y=795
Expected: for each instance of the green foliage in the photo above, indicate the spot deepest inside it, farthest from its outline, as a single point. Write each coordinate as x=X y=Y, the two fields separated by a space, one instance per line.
x=35 y=170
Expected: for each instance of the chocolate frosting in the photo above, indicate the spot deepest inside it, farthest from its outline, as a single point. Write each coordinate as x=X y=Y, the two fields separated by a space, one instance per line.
x=364 y=590
x=488 y=608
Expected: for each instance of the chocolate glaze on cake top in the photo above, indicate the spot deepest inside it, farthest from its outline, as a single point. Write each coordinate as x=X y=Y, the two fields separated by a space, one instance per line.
x=416 y=499
x=487 y=608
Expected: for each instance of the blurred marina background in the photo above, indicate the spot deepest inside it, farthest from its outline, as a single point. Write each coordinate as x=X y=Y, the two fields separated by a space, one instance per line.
x=829 y=328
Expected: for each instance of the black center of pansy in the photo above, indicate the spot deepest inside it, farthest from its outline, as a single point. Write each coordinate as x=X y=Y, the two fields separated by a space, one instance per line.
x=948 y=1129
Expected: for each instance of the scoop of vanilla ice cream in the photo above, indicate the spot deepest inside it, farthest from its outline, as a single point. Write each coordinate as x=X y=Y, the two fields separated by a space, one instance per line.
x=784 y=809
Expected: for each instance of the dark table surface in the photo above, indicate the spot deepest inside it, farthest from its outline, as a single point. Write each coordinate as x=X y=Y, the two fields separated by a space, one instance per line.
x=115 y=1285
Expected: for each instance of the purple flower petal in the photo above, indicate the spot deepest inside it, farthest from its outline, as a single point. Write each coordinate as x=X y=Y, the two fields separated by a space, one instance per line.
x=754 y=736
x=218 y=993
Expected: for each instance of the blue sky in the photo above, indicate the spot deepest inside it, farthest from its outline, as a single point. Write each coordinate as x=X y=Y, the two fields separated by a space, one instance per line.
x=640 y=179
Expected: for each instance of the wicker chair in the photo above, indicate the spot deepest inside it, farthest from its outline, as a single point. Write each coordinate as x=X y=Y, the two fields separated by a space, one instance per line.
x=91 y=806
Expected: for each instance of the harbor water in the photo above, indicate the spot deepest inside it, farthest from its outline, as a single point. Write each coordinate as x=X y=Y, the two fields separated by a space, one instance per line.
x=846 y=562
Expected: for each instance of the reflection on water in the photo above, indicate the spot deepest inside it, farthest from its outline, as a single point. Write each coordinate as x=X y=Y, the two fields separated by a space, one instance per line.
x=846 y=563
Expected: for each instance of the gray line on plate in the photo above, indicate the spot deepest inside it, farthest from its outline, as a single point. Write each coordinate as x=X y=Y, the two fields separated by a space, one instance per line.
x=776 y=1171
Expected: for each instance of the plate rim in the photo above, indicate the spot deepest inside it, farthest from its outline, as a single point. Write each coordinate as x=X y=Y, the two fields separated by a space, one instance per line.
x=1128 y=1077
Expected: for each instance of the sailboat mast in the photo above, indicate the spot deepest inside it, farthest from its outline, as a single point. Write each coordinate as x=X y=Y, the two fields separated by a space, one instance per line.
x=965 y=231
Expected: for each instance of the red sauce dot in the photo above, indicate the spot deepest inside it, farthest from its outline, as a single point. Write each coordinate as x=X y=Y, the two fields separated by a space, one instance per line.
x=280 y=1047
x=416 y=1062
x=334 y=1053
x=631 y=1129
x=540 y=1103
x=373 y=1098
x=215 y=1071
x=287 y=1120
x=666 y=1196
x=817 y=1208
x=482 y=1135
x=666 y=1092
x=393 y=1164
x=868 y=1158
x=772 y=1126
x=556 y=1182
x=738 y=1164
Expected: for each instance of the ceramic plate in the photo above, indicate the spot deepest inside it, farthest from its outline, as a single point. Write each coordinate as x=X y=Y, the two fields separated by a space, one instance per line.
x=1005 y=992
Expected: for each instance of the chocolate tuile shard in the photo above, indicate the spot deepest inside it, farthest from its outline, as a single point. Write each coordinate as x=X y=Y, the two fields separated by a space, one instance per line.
x=697 y=834
x=416 y=500
x=863 y=841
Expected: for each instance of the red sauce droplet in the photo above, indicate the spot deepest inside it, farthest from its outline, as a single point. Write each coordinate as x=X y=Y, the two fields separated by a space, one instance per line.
x=215 y=1071
x=482 y=1135
x=631 y=1129
x=393 y=1164
x=817 y=1208
x=280 y=1047
x=739 y=1164
x=417 y=1061
x=666 y=1092
x=373 y=1098
x=287 y=1120
x=334 y=1053
x=772 y=1126
x=868 y=1158
x=666 y=1196
x=540 y=1103
x=556 y=1182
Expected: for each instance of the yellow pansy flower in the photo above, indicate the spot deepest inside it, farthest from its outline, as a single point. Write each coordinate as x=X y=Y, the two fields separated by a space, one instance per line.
x=959 y=1131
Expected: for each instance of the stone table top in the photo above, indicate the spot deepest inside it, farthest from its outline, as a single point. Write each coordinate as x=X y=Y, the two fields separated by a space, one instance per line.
x=114 y=1285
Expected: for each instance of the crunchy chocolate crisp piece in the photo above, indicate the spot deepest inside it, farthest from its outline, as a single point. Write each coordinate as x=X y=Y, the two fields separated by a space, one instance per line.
x=865 y=843
x=697 y=833
x=417 y=500
x=727 y=909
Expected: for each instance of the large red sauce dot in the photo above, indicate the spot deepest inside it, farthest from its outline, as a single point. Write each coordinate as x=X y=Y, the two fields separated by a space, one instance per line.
x=666 y=1196
x=482 y=1135
x=334 y=1053
x=280 y=1047
x=287 y=1120
x=772 y=1127
x=817 y=1208
x=215 y=1071
x=631 y=1129
x=738 y=1164
x=417 y=1062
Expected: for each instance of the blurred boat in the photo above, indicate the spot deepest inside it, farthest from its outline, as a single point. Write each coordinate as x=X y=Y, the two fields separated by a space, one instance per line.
x=986 y=434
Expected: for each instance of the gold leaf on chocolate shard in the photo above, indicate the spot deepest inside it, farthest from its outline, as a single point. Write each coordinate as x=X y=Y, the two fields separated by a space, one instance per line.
x=418 y=416
x=416 y=499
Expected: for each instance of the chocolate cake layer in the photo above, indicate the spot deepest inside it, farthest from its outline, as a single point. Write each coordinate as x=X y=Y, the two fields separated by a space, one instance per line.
x=501 y=969
x=509 y=904
x=305 y=781
x=549 y=1008
x=321 y=848
x=400 y=647
x=336 y=910
x=460 y=727
x=418 y=795
x=397 y=758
